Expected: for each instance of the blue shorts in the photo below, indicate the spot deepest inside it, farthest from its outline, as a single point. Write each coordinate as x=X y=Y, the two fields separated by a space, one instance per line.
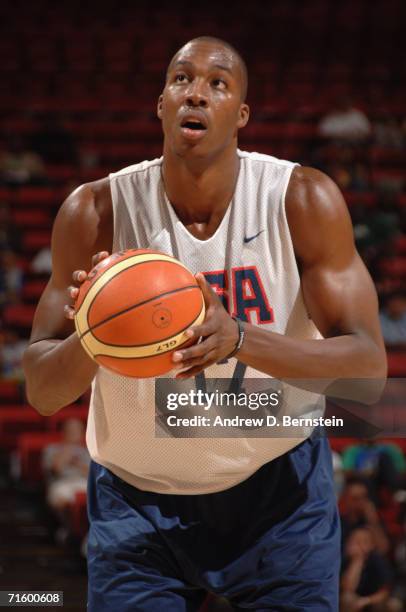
x=270 y=543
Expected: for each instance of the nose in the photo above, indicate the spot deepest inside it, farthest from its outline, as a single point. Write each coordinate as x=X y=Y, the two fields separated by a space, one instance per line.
x=196 y=95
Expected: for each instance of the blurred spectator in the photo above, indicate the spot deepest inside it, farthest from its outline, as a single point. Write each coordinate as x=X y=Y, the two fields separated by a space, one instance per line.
x=376 y=230
x=400 y=557
x=338 y=472
x=358 y=510
x=359 y=177
x=383 y=464
x=344 y=122
x=10 y=235
x=66 y=465
x=54 y=142
x=393 y=321
x=21 y=166
x=388 y=133
x=384 y=220
x=42 y=262
x=367 y=578
x=351 y=177
x=12 y=348
x=11 y=278
x=340 y=175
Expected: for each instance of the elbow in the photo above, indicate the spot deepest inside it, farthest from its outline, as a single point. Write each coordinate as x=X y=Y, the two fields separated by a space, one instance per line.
x=370 y=358
x=379 y=364
x=375 y=376
x=35 y=390
x=38 y=401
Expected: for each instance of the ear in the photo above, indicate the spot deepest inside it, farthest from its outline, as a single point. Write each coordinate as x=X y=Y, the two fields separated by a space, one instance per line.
x=244 y=115
x=159 y=107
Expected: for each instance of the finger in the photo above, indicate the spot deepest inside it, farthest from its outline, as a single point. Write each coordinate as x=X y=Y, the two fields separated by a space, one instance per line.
x=204 y=330
x=210 y=296
x=79 y=276
x=69 y=312
x=99 y=257
x=195 y=370
x=196 y=351
x=203 y=360
x=73 y=292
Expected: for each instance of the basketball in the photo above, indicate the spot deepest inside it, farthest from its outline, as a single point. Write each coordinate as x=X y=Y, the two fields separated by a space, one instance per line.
x=133 y=310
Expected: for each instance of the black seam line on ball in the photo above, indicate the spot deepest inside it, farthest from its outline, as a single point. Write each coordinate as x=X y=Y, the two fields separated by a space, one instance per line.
x=134 y=265
x=168 y=350
x=118 y=314
x=149 y=343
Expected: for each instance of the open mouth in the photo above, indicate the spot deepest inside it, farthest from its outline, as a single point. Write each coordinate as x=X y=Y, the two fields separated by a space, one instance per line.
x=193 y=125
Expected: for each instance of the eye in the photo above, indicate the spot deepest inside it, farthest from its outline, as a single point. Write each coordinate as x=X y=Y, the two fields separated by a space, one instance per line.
x=180 y=78
x=219 y=83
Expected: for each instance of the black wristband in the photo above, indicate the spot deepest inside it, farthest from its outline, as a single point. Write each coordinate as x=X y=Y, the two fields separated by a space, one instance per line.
x=241 y=334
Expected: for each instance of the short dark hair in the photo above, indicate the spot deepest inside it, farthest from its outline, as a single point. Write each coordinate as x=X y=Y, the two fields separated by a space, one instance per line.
x=230 y=47
x=356 y=481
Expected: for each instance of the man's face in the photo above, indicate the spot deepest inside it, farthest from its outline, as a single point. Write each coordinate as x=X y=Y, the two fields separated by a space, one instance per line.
x=201 y=107
x=356 y=496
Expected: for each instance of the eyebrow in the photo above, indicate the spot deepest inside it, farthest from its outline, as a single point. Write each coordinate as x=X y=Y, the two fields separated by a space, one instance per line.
x=219 y=66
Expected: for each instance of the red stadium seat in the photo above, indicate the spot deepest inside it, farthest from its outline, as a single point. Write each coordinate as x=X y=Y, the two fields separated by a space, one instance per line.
x=31 y=218
x=367 y=198
x=36 y=239
x=61 y=174
x=386 y=156
x=392 y=175
x=396 y=364
x=10 y=391
x=19 y=315
x=37 y=196
x=394 y=266
x=32 y=290
x=400 y=245
x=402 y=199
x=14 y=422
x=29 y=448
x=7 y=195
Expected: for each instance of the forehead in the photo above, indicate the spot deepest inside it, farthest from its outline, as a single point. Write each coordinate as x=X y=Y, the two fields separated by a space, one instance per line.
x=357 y=489
x=207 y=55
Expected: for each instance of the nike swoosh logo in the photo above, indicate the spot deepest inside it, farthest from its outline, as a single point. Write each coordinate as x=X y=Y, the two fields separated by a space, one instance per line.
x=252 y=237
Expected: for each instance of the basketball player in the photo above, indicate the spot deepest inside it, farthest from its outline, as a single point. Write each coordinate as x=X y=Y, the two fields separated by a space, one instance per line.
x=253 y=520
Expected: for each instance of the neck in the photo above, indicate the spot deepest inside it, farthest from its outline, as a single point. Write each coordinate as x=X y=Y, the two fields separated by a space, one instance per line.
x=200 y=190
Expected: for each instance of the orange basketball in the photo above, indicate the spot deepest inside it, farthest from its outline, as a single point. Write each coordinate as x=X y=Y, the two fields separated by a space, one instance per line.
x=134 y=309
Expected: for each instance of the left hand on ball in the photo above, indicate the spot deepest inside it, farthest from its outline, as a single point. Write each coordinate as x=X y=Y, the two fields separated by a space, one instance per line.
x=219 y=334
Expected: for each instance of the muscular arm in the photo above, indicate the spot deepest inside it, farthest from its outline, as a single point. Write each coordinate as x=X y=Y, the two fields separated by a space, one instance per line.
x=337 y=290
x=352 y=575
x=56 y=367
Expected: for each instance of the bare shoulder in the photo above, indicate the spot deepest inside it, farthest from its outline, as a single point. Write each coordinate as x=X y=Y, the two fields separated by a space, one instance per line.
x=90 y=198
x=82 y=228
x=86 y=218
x=313 y=192
x=317 y=214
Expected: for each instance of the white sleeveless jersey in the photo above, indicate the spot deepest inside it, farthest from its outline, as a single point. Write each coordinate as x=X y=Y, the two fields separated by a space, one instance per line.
x=251 y=261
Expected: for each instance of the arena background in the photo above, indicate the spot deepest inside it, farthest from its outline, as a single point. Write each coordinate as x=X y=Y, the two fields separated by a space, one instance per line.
x=79 y=84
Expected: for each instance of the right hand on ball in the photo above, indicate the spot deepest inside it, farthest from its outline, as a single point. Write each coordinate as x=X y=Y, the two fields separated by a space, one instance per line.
x=78 y=277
